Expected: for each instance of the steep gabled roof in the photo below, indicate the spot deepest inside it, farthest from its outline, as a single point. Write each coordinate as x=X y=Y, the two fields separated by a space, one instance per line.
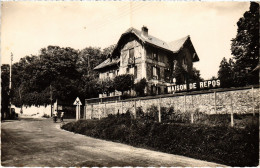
x=174 y=46
x=148 y=39
x=108 y=62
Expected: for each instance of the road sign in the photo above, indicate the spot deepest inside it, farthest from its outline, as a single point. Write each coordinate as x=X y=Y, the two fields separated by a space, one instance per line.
x=77 y=102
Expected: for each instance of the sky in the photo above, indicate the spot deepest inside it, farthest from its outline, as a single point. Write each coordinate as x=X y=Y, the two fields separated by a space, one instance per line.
x=26 y=26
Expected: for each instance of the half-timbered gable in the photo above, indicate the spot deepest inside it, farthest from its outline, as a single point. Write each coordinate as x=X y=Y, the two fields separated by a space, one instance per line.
x=145 y=56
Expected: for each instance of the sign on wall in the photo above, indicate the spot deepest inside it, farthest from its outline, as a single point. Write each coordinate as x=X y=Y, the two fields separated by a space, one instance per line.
x=209 y=84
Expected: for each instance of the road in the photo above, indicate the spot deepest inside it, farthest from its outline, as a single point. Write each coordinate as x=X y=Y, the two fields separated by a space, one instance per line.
x=41 y=143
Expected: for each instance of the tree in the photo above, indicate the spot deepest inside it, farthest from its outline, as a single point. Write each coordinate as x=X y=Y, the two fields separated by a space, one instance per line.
x=124 y=82
x=226 y=73
x=106 y=86
x=180 y=74
x=5 y=70
x=108 y=50
x=140 y=86
x=53 y=73
x=245 y=47
x=89 y=58
x=195 y=75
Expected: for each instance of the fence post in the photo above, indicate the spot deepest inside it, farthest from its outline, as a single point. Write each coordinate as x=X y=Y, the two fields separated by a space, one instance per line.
x=99 y=111
x=115 y=109
x=159 y=105
x=232 y=116
x=135 y=109
x=215 y=99
x=105 y=109
x=84 y=115
x=176 y=106
x=192 y=112
x=91 y=112
x=253 y=101
x=173 y=106
x=122 y=106
x=185 y=103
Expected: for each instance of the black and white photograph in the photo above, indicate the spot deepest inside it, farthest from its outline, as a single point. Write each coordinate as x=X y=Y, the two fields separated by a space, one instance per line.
x=130 y=84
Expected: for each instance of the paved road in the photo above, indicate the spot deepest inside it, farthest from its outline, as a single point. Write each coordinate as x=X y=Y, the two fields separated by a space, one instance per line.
x=40 y=142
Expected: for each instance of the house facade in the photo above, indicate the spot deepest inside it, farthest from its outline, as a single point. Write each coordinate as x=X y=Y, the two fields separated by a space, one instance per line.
x=145 y=56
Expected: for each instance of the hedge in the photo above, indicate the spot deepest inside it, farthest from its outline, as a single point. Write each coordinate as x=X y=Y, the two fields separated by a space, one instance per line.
x=220 y=144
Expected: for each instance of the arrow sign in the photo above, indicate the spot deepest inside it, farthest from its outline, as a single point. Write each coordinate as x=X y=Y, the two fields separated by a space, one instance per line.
x=77 y=102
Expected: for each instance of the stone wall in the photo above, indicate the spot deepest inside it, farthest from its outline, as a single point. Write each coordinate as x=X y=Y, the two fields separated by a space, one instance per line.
x=217 y=101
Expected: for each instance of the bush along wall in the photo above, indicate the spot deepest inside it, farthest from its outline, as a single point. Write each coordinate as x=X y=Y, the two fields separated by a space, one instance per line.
x=221 y=144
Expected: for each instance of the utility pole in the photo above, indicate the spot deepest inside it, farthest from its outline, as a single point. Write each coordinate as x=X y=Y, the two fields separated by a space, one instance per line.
x=10 y=84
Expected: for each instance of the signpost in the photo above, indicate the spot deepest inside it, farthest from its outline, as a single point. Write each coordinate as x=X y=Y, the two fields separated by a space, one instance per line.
x=78 y=104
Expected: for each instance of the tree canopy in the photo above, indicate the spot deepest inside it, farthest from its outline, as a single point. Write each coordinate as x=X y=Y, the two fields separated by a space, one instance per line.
x=226 y=73
x=245 y=46
x=241 y=69
x=56 y=73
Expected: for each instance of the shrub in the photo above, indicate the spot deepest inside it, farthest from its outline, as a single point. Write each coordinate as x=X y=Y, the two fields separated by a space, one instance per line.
x=124 y=82
x=105 y=86
x=152 y=113
x=139 y=113
x=140 y=86
x=166 y=113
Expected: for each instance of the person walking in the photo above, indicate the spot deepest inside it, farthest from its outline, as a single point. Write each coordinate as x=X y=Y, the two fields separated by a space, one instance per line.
x=55 y=116
x=61 y=116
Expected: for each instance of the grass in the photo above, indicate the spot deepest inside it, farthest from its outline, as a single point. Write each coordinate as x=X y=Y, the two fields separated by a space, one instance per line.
x=238 y=146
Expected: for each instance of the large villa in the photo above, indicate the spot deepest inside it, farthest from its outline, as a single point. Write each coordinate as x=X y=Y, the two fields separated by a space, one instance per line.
x=145 y=56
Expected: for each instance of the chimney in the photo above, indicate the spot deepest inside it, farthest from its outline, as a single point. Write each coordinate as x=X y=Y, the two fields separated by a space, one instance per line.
x=145 y=31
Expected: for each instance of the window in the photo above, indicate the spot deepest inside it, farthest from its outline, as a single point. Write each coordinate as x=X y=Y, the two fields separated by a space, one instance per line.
x=127 y=70
x=114 y=73
x=135 y=72
x=155 y=72
x=167 y=73
x=131 y=53
x=165 y=90
x=158 y=72
x=153 y=90
x=159 y=90
x=155 y=55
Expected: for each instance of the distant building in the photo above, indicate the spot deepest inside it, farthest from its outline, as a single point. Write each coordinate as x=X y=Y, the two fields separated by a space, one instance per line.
x=145 y=56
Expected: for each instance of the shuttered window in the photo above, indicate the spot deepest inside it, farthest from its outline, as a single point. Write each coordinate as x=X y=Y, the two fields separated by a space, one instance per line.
x=155 y=72
x=158 y=73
